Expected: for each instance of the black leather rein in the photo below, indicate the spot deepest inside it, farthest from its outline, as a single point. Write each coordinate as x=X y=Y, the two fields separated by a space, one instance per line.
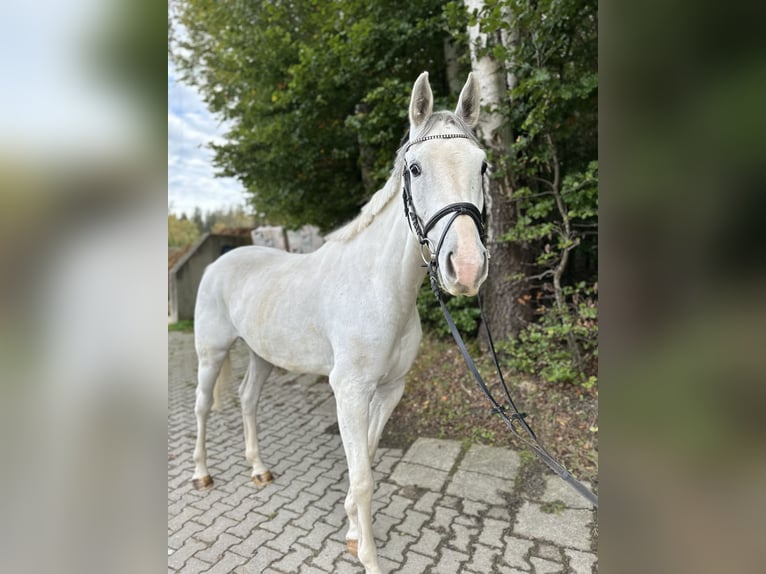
x=431 y=258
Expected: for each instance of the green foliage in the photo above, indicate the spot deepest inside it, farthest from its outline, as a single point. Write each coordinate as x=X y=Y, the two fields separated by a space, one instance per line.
x=186 y=326
x=550 y=48
x=464 y=310
x=315 y=92
x=181 y=232
x=542 y=348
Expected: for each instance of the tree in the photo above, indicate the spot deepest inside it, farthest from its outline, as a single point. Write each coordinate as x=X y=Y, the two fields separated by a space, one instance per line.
x=550 y=53
x=505 y=298
x=314 y=93
x=181 y=231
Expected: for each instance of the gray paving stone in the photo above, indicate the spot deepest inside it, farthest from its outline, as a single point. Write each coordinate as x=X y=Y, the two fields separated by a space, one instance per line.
x=195 y=566
x=580 y=562
x=516 y=550
x=482 y=558
x=410 y=474
x=178 y=558
x=558 y=490
x=451 y=561
x=227 y=564
x=549 y=551
x=263 y=557
x=222 y=543
x=415 y=563
x=498 y=462
x=543 y=566
x=434 y=453
x=568 y=527
x=293 y=558
x=492 y=532
x=477 y=486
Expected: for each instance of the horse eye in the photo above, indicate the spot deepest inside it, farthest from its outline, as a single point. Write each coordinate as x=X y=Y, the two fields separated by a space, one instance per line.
x=415 y=170
x=484 y=167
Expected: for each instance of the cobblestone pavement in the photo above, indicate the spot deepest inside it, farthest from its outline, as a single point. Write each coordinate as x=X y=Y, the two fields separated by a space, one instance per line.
x=438 y=508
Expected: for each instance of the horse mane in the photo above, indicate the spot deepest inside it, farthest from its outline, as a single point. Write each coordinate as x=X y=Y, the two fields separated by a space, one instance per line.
x=393 y=186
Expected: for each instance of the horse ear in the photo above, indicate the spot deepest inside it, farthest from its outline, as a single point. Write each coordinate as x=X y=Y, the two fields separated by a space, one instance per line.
x=421 y=103
x=468 y=102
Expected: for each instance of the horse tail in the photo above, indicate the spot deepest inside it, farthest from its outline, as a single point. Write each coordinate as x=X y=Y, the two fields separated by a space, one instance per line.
x=223 y=380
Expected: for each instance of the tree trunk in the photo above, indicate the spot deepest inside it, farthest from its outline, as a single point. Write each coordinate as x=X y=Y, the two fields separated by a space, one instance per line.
x=506 y=307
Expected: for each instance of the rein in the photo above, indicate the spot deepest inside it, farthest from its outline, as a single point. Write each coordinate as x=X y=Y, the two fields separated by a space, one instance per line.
x=431 y=259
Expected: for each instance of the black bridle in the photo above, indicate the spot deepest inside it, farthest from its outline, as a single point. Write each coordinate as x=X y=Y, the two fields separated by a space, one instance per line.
x=431 y=259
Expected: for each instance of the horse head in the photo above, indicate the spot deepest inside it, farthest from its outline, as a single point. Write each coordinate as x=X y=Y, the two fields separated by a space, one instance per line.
x=444 y=187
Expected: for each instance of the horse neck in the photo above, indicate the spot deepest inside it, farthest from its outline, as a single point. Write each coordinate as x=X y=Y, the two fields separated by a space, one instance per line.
x=391 y=250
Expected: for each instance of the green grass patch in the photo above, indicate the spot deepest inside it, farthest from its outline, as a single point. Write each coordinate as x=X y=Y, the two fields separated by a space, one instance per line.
x=183 y=326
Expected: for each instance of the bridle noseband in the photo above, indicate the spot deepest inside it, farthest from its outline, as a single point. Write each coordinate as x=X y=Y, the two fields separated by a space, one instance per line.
x=428 y=252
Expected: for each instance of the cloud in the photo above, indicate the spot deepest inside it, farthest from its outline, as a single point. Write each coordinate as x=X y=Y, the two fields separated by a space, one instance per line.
x=191 y=175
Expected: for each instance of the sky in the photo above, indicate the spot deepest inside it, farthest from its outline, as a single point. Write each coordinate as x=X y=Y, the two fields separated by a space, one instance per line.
x=191 y=180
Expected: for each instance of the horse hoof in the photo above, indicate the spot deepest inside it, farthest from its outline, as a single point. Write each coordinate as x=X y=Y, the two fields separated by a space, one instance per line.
x=202 y=483
x=353 y=547
x=261 y=480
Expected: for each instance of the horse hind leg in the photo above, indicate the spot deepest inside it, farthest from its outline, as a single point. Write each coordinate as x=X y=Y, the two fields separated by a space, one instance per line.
x=249 y=392
x=209 y=369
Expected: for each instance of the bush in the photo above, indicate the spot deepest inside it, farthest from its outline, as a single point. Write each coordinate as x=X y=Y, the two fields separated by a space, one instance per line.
x=544 y=348
x=464 y=310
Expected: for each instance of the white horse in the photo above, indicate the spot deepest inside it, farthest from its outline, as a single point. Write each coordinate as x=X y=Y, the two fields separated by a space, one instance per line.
x=348 y=309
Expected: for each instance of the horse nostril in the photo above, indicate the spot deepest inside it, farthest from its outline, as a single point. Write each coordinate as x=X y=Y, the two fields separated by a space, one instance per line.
x=450 y=267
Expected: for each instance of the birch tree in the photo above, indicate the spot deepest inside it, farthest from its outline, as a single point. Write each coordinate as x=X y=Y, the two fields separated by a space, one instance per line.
x=505 y=298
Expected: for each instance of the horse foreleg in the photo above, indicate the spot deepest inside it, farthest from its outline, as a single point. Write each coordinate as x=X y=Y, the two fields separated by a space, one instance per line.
x=383 y=403
x=209 y=367
x=249 y=392
x=353 y=404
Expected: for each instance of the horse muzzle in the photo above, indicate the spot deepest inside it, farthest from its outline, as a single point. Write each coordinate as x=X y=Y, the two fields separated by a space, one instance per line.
x=463 y=272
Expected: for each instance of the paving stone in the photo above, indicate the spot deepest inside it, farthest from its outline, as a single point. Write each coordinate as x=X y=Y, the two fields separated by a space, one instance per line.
x=252 y=543
x=434 y=453
x=549 y=551
x=543 y=566
x=395 y=546
x=263 y=557
x=428 y=541
x=462 y=536
x=178 y=558
x=492 y=533
x=451 y=561
x=580 y=562
x=478 y=486
x=497 y=462
x=413 y=523
x=293 y=559
x=564 y=528
x=558 y=490
x=222 y=543
x=410 y=474
x=195 y=566
x=515 y=551
x=330 y=551
x=482 y=558
x=182 y=535
x=227 y=564
x=317 y=535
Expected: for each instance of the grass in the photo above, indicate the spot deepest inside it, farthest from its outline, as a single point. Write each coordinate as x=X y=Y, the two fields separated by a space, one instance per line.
x=183 y=326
